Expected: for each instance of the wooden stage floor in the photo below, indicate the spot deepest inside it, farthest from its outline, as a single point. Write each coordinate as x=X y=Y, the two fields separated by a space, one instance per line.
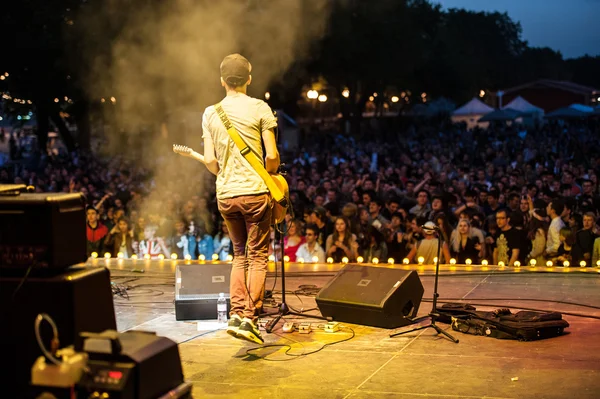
x=371 y=364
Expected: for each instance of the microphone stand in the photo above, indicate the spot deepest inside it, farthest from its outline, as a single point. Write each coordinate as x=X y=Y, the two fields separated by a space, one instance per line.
x=433 y=315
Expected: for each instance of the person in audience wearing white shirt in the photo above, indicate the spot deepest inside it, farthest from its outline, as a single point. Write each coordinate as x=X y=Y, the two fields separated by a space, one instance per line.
x=554 y=210
x=311 y=251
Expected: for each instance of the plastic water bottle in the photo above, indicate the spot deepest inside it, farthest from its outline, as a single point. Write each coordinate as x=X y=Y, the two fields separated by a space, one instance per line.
x=222 y=308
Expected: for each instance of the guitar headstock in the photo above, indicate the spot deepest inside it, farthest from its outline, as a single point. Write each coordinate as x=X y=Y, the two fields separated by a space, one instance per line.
x=182 y=149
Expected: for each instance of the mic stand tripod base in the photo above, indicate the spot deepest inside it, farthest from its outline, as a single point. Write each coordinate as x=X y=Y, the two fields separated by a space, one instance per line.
x=432 y=317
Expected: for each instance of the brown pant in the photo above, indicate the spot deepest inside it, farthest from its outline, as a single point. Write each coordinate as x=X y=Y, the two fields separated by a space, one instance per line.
x=248 y=218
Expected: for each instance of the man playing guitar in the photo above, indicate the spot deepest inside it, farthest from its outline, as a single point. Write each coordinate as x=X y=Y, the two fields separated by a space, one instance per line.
x=243 y=197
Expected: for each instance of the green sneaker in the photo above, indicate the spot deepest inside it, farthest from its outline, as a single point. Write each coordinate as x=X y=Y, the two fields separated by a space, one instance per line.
x=249 y=331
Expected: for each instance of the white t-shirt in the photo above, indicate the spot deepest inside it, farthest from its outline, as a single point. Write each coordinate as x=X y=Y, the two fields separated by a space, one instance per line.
x=251 y=117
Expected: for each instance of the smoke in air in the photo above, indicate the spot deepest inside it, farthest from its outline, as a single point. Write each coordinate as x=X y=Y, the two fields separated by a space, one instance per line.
x=163 y=70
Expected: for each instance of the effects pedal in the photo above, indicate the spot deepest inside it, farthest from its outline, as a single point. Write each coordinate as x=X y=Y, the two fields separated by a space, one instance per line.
x=304 y=328
x=332 y=326
x=288 y=327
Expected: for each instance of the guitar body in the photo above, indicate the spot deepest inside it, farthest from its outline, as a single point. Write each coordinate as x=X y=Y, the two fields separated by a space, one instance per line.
x=279 y=210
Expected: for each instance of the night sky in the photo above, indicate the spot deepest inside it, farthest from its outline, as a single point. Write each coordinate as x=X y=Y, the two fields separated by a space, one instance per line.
x=569 y=26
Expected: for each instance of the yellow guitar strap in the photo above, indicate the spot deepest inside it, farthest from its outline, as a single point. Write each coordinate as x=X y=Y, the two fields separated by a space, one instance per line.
x=250 y=156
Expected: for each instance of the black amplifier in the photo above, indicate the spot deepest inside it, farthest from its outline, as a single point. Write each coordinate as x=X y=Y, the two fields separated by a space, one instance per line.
x=131 y=365
x=44 y=230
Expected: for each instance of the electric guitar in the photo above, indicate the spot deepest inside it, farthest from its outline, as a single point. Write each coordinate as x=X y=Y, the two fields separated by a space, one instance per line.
x=279 y=209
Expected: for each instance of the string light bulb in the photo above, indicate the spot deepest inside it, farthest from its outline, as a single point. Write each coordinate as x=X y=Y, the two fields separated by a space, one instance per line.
x=453 y=261
x=345 y=260
x=188 y=257
x=549 y=263
x=360 y=259
x=375 y=261
x=484 y=262
x=330 y=260
x=598 y=263
x=468 y=261
x=134 y=257
x=107 y=255
x=161 y=256
x=94 y=255
x=566 y=263
x=501 y=264
x=229 y=258
x=300 y=260
x=173 y=256
x=120 y=255
x=532 y=262
x=215 y=256
x=517 y=264
x=315 y=259
x=421 y=260
x=391 y=261
x=582 y=264
x=286 y=258
x=147 y=256
x=406 y=261
x=435 y=260
x=202 y=257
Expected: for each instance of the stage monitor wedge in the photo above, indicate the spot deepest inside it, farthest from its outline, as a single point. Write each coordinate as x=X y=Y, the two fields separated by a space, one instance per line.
x=372 y=296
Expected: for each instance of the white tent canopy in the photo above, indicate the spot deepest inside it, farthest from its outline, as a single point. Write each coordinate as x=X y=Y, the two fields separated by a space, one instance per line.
x=524 y=106
x=473 y=107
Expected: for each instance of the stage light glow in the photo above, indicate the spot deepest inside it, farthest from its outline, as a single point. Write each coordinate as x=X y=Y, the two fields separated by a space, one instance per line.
x=286 y=258
x=371 y=98
x=345 y=260
x=517 y=264
x=215 y=257
x=267 y=95
x=312 y=94
x=188 y=257
x=532 y=262
x=395 y=99
x=468 y=261
x=113 y=100
x=453 y=261
x=56 y=100
x=598 y=263
x=330 y=260
x=391 y=261
x=484 y=262
x=549 y=263
x=406 y=261
x=346 y=93
x=375 y=261
x=360 y=259
x=120 y=255
x=501 y=264
x=271 y=258
x=202 y=257
x=107 y=255
x=161 y=256
x=481 y=93
x=566 y=263
x=94 y=255
x=300 y=260
x=315 y=259
x=435 y=260
x=582 y=264
x=173 y=256
x=147 y=256
x=421 y=260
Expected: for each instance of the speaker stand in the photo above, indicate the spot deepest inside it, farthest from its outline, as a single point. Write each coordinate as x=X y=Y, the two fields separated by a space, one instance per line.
x=433 y=315
x=283 y=308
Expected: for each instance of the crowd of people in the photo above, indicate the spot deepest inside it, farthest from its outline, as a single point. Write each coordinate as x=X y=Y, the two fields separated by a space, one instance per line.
x=503 y=195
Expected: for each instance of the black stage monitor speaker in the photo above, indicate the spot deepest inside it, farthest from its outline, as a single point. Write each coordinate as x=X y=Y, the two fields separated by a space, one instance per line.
x=372 y=296
x=78 y=299
x=44 y=230
x=197 y=288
